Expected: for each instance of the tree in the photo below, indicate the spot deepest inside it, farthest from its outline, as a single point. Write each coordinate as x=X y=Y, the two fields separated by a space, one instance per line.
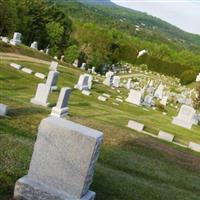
x=187 y=76
x=8 y=16
x=71 y=53
x=55 y=34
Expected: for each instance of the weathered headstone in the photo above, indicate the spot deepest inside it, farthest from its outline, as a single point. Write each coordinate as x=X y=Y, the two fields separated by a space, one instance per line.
x=42 y=95
x=83 y=82
x=52 y=80
x=151 y=90
x=148 y=101
x=109 y=78
x=16 y=66
x=159 y=92
x=16 y=39
x=93 y=70
x=62 y=58
x=165 y=136
x=151 y=83
x=5 y=39
x=75 y=63
x=90 y=81
x=3 y=109
x=185 y=117
x=119 y=100
x=86 y=92
x=164 y=100
x=129 y=84
x=102 y=98
x=27 y=70
x=83 y=66
x=61 y=109
x=53 y=66
x=106 y=95
x=34 y=45
x=198 y=78
x=135 y=125
x=40 y=75
x=141 y=53
x=116 y=81
x=135 y=97
x=47 y=51
x=194 y=146
x=62 y=164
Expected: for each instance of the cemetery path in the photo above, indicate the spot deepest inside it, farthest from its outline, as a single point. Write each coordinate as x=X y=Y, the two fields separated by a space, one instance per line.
x=12 y=56
x=18 y=57
x=132 y=75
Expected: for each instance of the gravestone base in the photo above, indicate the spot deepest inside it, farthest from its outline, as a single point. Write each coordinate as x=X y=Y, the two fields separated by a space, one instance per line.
x=29 y=189
x=59 y=112
x=15 y=42
x=54 y=88
x=35 y=101
x=80 y=87
x=3 y=110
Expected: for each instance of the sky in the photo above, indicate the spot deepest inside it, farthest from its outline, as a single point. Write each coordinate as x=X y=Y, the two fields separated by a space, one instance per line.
x=184 y=14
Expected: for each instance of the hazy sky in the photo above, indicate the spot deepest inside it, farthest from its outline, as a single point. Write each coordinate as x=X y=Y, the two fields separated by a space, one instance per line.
x=183 y=13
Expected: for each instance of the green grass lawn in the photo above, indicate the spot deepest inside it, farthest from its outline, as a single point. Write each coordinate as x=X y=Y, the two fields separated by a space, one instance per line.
x=131 y=165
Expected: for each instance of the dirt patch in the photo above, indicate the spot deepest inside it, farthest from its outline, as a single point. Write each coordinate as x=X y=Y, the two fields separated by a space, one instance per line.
x=182 y=157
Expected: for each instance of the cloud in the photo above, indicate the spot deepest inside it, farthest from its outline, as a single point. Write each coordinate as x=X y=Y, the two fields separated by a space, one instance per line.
x=182 y=13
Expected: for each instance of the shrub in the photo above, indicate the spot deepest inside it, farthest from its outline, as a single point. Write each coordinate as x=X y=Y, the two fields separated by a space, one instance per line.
x=187 y=77
x=71 y=53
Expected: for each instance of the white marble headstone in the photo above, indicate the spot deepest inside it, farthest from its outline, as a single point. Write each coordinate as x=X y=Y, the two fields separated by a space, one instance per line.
x=42 y=94
x=62 y=164
x=185 y=117
x=61 y=108
x=16 y=39
x=135 y=97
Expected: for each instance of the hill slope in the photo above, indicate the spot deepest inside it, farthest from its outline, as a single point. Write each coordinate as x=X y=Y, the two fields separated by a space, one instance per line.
x=113 y=34
x=127 y=19
x=131 y=165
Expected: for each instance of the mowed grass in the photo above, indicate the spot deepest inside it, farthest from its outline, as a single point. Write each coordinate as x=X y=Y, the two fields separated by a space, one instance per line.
x=131 y=165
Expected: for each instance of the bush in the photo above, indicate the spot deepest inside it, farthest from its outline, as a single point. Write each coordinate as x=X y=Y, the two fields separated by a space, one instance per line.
x=144 y=67
x=188 y=77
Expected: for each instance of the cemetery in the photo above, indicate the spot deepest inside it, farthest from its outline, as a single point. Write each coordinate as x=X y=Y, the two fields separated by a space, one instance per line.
x=57 y=118
x=99 y=100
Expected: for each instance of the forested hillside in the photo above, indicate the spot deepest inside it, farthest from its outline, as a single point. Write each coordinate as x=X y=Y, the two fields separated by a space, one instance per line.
x=99 y=35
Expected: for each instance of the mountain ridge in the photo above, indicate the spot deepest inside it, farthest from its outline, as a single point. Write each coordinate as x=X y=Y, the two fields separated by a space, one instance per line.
x=98 y=2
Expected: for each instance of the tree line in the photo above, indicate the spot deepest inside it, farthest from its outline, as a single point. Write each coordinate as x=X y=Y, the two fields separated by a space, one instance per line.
x=71 y=30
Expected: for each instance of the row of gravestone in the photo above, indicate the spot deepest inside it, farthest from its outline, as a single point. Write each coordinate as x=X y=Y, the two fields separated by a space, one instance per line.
x=16 y=40
x=186 y=118
x=27 y=70
x=187 y=115
x=112 y=80
x=152 y=92
x=43 y=90
x=162 y=135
